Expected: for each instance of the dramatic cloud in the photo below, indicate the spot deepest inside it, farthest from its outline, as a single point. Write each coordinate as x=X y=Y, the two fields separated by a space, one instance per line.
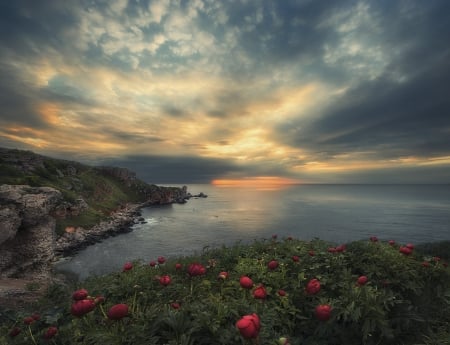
x=191 y=91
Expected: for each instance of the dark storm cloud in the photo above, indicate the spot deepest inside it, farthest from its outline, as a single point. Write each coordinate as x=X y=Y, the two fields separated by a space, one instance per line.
x=17 y=99
x=404 y=112
x=186 y=169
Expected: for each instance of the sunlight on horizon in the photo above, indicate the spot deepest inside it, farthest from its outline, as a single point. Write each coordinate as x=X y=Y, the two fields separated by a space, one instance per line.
x=259 y=181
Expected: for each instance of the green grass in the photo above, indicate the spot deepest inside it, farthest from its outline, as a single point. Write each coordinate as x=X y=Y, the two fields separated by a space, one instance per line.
x=404 y=302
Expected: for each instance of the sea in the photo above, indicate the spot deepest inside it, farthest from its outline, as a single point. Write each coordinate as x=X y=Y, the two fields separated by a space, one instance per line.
x=232 y=214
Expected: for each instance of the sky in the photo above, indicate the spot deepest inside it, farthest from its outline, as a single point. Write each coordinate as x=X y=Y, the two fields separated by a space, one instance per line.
x=194 y=91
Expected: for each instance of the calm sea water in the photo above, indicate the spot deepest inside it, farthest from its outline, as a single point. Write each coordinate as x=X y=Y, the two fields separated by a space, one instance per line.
x=337 y=213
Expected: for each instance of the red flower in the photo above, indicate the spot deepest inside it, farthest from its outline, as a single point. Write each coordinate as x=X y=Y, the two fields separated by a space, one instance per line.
x=436 y=258
x=445 y=264
x=362 y=280
x=117 y=312
x=260 y=292
x=340 y=248
x=196 y=269
x=223 y=275
x=128 y=266
x=405 y=250
x=391 y=242
x=311 y=253
x=323 y=312
x=295 y=258
x=281 y=293
x=14 y=332
x=374 y=239
x=313 y=287
x=246 y=282
x=249 y=326
x=178 y=266
x=161 y=260
x=274 y=236
x=272 y=265
x=410 y=246
x=28 y=320
x=36 y=317
x=50 y=333
x=289 y=238
x=152 y=263
x=425 y=264
x=82 y=307
x=80 y=294
x=331 y=250
x=175 y=305
x=165 y=280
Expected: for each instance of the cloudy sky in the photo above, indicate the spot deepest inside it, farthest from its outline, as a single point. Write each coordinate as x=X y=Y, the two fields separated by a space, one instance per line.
x=186 y=91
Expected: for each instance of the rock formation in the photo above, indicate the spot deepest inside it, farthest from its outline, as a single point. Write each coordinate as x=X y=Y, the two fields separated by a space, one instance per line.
x=27 y=232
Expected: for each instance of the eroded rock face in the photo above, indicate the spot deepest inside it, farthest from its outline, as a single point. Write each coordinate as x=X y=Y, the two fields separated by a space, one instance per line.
x=27 y=229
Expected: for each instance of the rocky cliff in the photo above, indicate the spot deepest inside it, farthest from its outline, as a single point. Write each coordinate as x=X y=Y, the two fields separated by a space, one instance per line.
x=27 y=230
x=54 y=207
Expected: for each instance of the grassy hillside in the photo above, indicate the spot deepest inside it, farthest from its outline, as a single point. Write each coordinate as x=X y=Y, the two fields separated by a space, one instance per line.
x=268 y=292
x=100 y=189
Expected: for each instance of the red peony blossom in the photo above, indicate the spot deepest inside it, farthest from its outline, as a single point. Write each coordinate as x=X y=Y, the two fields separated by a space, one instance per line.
x=410 y=246
x=50 y=333
x=362 y=280
x=82 y=307
x=341 y=248
x=28 y=320
x=374 y=239
x=425 y=264
x=178 y=266
x=436 y=258
x=128 y=266
x=36 y=317
x=331 y=250
x=14 y=332
x=391 y=242
x=161 y=260
x=80 y=294
x=281 y=293
x=405 y=250
x=260 y=292
x=165 y=280
x=311 y=253
x=246 y=282
x=323 y=312
x=117 y=312
x=175 y=305
x=273 y=265
x=152 y=263
x=223 y=275
x=313 y=286
x=295 y=258
x=249 y=326
x=196 y=269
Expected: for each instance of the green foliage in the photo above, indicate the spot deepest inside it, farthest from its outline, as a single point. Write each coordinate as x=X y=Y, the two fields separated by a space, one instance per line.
x=403 y=302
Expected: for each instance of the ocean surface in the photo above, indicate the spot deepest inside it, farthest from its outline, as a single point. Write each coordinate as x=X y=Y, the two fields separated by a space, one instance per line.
x=336 y=213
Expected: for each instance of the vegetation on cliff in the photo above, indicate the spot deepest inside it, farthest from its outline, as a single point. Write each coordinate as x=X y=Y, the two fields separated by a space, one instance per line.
x=276 y=291
x=91 y=193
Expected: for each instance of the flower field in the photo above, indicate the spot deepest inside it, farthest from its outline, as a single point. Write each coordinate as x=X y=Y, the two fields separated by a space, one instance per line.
x=274 y=291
